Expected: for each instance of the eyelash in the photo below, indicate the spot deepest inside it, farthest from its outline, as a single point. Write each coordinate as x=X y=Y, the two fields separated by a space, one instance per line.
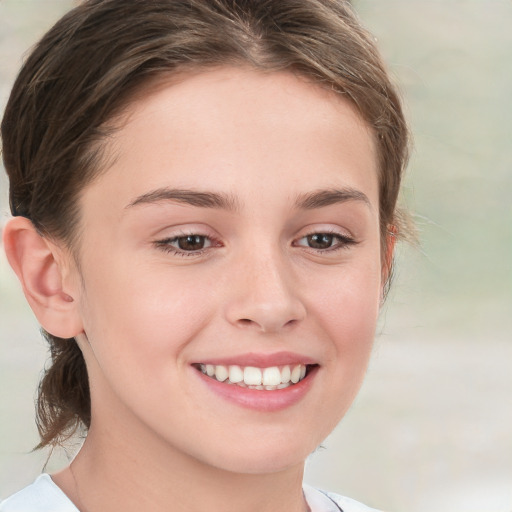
x=343 y=242
x=165 y=245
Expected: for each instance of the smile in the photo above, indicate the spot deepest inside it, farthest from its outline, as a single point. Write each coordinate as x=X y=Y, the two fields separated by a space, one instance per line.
x=265 y=379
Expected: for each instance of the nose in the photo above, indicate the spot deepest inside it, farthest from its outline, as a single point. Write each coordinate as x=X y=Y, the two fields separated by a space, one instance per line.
x=264 y=296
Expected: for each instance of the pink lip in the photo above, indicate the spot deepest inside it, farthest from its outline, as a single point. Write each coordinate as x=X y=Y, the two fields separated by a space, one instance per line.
x=264 y=401
x=261 y=360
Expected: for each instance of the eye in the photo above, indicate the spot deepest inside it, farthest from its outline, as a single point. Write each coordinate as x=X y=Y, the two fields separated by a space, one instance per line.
x=191 y=242
x=325 y=241
x=320 y=240
x=185 y=245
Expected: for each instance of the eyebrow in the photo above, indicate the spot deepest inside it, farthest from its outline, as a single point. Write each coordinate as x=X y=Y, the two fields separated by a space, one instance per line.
x=328 y=197
x=203 y=199
x=190 y=197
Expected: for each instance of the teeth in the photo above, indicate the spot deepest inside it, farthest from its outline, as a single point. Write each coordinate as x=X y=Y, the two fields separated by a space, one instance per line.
x=268 y=379
x=295 y=377
x=252 y=376
x=271 y=376
x=221 y=373
x=235 y=374
x=286 y=374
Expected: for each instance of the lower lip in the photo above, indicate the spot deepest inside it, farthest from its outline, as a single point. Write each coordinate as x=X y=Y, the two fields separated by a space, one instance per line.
x=260 y=400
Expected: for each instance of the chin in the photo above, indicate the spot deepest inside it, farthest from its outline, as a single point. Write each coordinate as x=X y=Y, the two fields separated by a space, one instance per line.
x=264 y=458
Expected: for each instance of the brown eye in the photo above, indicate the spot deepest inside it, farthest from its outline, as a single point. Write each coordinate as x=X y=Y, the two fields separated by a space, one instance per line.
x=191 y=242
x=186 y=245
x=320 y=240
x=325 y=242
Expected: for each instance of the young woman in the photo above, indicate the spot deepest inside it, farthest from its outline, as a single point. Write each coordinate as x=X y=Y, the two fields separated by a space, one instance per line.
x=204 y=214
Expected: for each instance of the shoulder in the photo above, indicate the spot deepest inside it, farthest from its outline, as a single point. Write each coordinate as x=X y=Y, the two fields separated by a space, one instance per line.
x=41 y=496
x=321 y=501
x=348 y=504
x=44 y=496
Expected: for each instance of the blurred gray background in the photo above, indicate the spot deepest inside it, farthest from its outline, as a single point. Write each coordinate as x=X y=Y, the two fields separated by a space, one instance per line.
x=432 y=427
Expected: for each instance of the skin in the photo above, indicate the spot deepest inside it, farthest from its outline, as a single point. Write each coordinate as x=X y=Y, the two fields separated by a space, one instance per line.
x=144 y=313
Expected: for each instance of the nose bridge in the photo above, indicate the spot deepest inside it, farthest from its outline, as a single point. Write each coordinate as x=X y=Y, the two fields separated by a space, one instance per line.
x=264 y=292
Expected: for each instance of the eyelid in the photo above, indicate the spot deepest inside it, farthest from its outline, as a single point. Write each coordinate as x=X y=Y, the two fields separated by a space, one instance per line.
x=164 y=242
x=345 y=240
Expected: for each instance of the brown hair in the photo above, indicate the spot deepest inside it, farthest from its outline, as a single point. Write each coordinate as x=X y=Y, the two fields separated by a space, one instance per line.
x=89 y=65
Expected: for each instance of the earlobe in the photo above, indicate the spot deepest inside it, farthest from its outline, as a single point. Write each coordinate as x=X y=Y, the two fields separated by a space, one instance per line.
x=38 y=264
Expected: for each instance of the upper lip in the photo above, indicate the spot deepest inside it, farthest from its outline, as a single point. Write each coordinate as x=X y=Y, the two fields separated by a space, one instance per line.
x=259 y=360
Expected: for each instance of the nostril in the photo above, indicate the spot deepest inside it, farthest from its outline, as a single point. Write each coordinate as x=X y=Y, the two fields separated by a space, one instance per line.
x=264 y=326
x=265 y=315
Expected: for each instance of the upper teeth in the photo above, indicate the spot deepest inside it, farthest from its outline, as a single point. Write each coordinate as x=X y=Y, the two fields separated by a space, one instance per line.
x=273 y=377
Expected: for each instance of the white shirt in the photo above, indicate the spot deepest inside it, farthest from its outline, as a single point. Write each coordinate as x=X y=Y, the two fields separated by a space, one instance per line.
x=45 y=496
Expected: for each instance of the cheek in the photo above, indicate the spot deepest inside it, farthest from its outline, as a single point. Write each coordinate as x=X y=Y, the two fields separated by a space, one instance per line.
x=138 y=327
x=344 y=311
x=347 y=314
x=134 y=315
x=349 y=303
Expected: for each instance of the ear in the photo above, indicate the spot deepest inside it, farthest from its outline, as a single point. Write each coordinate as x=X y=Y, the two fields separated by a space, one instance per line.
x=40 y=266
x=387 y=260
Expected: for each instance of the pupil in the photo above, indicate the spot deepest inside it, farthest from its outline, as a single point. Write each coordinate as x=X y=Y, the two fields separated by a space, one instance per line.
x=191 y=242
x=320 y=241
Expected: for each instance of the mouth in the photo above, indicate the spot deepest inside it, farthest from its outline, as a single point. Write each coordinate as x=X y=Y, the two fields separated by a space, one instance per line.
x=270 y=378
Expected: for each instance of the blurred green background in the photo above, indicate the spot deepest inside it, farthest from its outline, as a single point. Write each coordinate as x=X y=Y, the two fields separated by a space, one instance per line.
x=432 y=427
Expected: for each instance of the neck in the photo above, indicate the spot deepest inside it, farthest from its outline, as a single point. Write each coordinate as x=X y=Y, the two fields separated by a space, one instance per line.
x=109 y=474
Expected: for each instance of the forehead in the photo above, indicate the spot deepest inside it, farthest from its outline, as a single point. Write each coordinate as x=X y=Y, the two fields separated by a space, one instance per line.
x=237 y=129
x=242 y=96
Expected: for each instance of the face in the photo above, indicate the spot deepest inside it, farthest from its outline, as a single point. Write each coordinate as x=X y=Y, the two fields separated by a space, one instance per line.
x=230 y=251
